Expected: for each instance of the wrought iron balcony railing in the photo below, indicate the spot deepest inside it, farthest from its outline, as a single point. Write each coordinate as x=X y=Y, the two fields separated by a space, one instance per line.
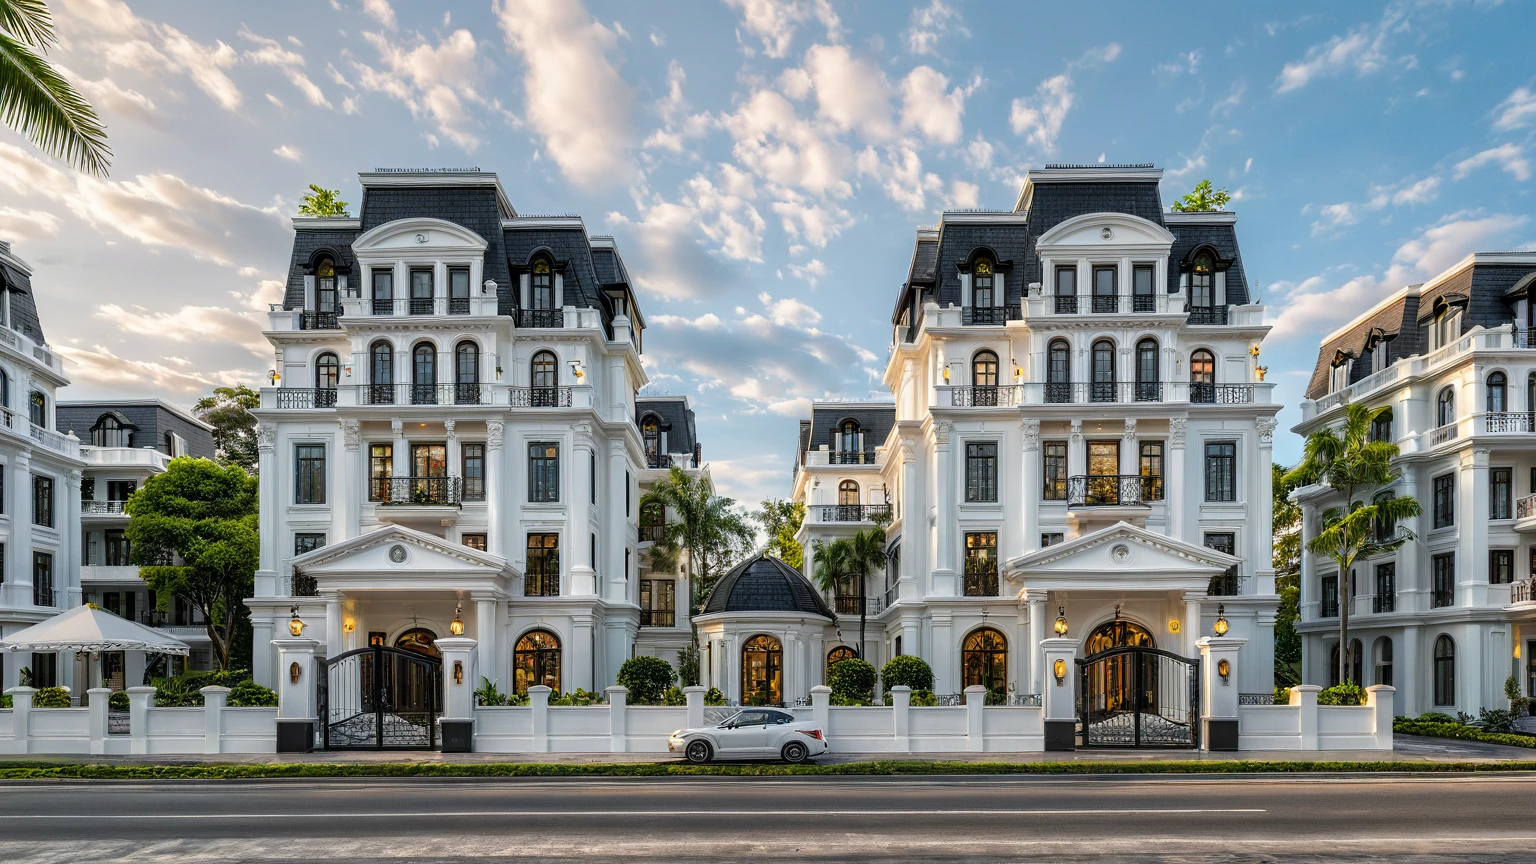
x=304 y=585
x=309 y=320
x=1525 y=507
x=43 y=595
x=1523 y=591
x=101 y=508
x=423 y=394
x=380 y=306
x=1225 y=583
x=1066 y=304
x=980 y=315
x=416 y=491
x=1384 y=602
x=541 y=585
x=540 y=397
x=1207 y=315
x=658 y=617
x=306 y=397
x=846 y=604
x=981 y=577
x=1220 y=394
x=850 y=457
x=850 y=512
x=985 y=396
x=1441 y=597
x=539 y=317
x=1508 y=421
x=1106 y=490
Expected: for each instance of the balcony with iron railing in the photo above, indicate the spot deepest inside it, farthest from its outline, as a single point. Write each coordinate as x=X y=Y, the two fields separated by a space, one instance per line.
x=1206 y=316
x=972 y=316
x=849 y=512
x=306 y=397
x=311 y=320
x=1523 y=591
x=423 y=394
x=849 y=604
x=658 y=618
x=1227 y=583
x=1100 y=393
x=1525 y=508
x=1382 y=602
x=826 y=456
x=539 y=397
x=537 y=584
x=980 y=577
x=1112 y=490
x=101 y=508
x=44 y=595
x=416 y=491
x=539 y=318
x=1113 y=304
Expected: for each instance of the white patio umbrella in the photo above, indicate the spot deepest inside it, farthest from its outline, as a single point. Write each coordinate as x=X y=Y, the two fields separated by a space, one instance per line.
x=89 y=630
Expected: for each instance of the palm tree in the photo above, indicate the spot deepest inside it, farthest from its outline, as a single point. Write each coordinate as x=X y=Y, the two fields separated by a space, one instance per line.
x=320 y=202
x=706 y=529
x=1348 y=461
x=36 y=101
x=851 y=559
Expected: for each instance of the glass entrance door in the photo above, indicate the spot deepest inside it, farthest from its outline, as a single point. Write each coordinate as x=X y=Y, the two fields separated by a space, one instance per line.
x=1103 y=472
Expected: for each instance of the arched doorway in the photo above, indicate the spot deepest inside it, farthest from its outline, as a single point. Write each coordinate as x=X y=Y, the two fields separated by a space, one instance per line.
x=762 y=671
x=840 y=653
x=536 y=660
x=1133 y=694
x=419 y=640
x=1118 y=633
x=984 y=661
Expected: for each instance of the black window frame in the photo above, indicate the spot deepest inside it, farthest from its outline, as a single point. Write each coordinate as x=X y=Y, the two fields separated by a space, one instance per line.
x=1328 y=595
x=1150 y=454
x=42 y=580
x=1501 y=493
x=1501 y=566
x=42 y=501
x=1443 y=500
x=541 y=573
x=1053 y=454
x=981 y=472
x=1442 y=568
x=1444 y=671
x=381 y=468
x=305 y=542
x=658 y=602
x=478 y=541
x=309 y=472
x=1221 y=471
x=472 y=466
x=1381 y=426
x=1386 y=587
x=543 y=472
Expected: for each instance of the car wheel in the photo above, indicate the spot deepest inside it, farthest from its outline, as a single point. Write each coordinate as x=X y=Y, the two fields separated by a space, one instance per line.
x=698 y=752
x=794 y=753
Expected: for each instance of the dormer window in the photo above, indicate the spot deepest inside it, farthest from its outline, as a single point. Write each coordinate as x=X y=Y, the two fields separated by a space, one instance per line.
x=1339 y=374
x=1202 y=284
x=981 y=284
x=542 y=285
x=325 y=286
x=849 y=438
x=37 y=409
x=109 y=431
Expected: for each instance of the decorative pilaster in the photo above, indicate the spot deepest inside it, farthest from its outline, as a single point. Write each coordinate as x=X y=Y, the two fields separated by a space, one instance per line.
x=494 y=491
x=1029 y=470
x=351 y=511
x=266 y=473
x=1175 y=482
x=944 y=572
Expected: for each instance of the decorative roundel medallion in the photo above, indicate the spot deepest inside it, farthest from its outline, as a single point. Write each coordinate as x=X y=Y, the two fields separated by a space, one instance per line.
x=1120 y=554
x=397 y=554
x=1106 y=233
x=422 y=237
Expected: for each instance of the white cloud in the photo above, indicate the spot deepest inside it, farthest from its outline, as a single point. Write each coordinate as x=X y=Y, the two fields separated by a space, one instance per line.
x=1187 y=62
x=1415 y=192
x=774 y=142
x=1364 y=49
x=1233 y=99
x=122 y=375
x=929 y=24
x=801 y=218
x=270 y=52
x=575 y=97
x=1334 y=216
x=27 y=224
x=381 y=11
x=926 y=107
x=772 y=21
x=851 y=92
x=963 y=195
x=108 y=97
x=1510 y=157
x=789 y=312
x=277 y=103
x=289 y=153
x=978 y=153
x=433 y=81
x=811 y=272
x=1041 y=118
x=900 y=173
x=190 y=324
x=204 y=64
x=1518 y=110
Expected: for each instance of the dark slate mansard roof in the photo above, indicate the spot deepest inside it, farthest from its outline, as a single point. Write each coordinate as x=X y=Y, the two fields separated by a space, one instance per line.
x=23 y=308
x=150 y=421
x=875 y=421
x=764 y=584
x=675 y=416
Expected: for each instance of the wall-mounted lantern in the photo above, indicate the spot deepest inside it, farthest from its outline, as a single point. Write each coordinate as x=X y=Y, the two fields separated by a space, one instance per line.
x=1223 y=668
x=457 y=627
x=1059 y=669
x=458 y=671
x=296 y=624
x=1061 y=621
x=293 y=671
x=1221 y=620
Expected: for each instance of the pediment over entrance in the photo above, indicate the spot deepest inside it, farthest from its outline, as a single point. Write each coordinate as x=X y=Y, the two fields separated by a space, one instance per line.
x=417 y=234
x=1120 y=557
x=395 y=557
x=1104 y=231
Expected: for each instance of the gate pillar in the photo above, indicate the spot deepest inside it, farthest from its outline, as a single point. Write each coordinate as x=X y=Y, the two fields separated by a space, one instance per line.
x=1059 y=680
x=1218 y=693
x=296 y=700
x=459 y=679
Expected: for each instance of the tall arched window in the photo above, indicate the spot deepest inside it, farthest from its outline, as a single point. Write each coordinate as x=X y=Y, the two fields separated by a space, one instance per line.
x=841 y=652
x=650 y=433
x=1445 y=407
x=848 y=493
x=109 y=432
x=381 y=374
x=762 y=671
x=466 y=373
x=1103 y=371
x=1149 y=387
x=327 y=377
x=424 y=374
x=541 y=285
x=981 y=284
x=37 y=409
x=1202 y=376
x=984 y=378
x=1202 y=289
x=849 y=442
x=1498 y=401
x=984 y=661
x=545 y=380
x=325 y=286
x=536 y=660
x=1058 y=372
x=1445 y=671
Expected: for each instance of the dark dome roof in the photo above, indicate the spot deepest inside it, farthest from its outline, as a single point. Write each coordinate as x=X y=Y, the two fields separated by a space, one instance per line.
x=764 y=584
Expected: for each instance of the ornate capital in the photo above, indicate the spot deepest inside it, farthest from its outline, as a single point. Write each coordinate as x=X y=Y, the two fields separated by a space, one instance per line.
x=397 y=427
x=351 y=435
x=1077 y=432
x=493 y=430
x=941 y=431
x=1176 y=432
x=1031 y=434
x=74 y=478
x=448 y=425
x=1267 y=429
x=908 y=450
x=1130 y=428
x=266 y=437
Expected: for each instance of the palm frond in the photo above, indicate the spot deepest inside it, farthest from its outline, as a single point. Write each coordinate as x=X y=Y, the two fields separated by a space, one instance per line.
x=28 y=21
x=40 y=104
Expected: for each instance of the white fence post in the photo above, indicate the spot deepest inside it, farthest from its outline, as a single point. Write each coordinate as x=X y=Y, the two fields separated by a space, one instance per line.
x=695 y=697
x=1218 y=697
x=297 y=711
x=214 y=700
x=96 y=702
x=618 y=729
x=140 y=700
x=1379 y=697
x=821 y=700
x=975 y=732
x=460 y=670
x=21 y=716
x=1059 y=701
x=901 y=705
x=538 y=699
x=1305 y=695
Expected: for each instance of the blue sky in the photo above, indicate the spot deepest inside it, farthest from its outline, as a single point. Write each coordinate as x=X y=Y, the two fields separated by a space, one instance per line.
x=763 y=163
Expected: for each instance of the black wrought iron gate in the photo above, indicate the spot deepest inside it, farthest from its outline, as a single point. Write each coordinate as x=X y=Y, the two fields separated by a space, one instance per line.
x=380 y=698
x=1139 y=697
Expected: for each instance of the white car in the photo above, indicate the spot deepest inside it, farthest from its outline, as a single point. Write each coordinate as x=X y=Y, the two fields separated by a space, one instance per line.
x=752 y=732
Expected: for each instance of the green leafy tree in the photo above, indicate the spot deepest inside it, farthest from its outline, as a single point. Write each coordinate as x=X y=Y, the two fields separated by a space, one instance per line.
x=906 y=670
x=851 y=560
x=193 y=532
x=781 y=520
x=228 y=411
x=705 y=532
x=322 y=202
x=37 y=101
x=1286 y=518
x=1346 y=460
x=1203 y=198
x=647 y=679
x=852 y=681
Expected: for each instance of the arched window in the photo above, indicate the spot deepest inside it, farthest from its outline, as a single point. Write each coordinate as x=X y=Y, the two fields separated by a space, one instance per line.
x=466 y=373
x=418 y=640
x=1384 y=661
x=325 y=286
x=982 y=296
x=1202 y=376
x=848 y=440
x=650 y=433
x=37 y=409
x=1445 y=671
x=1058 y=372
x=1445 y=407
x=984 y=661
x=536 y=660
x=1103 y=371
x=424 y=374
x=848 y=493
x=1202 y=288
x=327 y=372
x=1118 y=633
x=381 y=374
x=1497 y=399
x=541 y=285
x=841 y=652
x=762 y=671
x=109 y=432
x=1149 y=387
x=545 y=380
x=984 y=378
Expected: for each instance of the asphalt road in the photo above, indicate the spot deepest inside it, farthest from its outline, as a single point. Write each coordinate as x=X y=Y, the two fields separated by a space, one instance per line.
x=907 y=819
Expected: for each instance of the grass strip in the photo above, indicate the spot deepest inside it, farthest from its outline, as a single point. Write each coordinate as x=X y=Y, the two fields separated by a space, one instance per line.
x=250 y=771
x=1431 y=729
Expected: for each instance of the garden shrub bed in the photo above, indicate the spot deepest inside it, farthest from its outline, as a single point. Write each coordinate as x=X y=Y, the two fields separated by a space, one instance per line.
x=1439 y=729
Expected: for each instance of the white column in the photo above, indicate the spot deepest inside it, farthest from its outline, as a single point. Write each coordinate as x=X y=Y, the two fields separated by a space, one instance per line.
x=616 y=531
x=1059 y=702
x=1030 y=471
x=944 y=578
x=296 y=706
x=583 y=555
x=581 y=653
x=489 y=662
x=19 y=579
x=1261 y=544
x=69 y=586
x=1471 y=551
x=495 y=489
x=1174 y=485
x=1037 y=615
x=349 y=515
x=333 y=636
x=455 y=462
x=402 y=451
x=214 y=700
x=1192 y=627
x=460 y=676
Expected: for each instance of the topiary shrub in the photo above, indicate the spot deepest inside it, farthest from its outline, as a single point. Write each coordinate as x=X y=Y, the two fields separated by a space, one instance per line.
x=924 y=699
x=674 y=697
x=51 y=697
x=249 y=694
x=996 y=697
x=647 y=679
x=714 y=697
x=118 y=701
x=1347 y=693
x=1282 y=695
x=906 y=670
x=852 y=682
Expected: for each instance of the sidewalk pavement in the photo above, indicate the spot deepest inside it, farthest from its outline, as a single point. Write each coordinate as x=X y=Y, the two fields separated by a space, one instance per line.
x=1407 y=749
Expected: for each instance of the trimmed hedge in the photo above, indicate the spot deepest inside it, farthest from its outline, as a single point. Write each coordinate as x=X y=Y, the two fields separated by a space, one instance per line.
x=906 y=670
x=646 y=678
x=51 y=697
x=852 y=681
x=1435 y=729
